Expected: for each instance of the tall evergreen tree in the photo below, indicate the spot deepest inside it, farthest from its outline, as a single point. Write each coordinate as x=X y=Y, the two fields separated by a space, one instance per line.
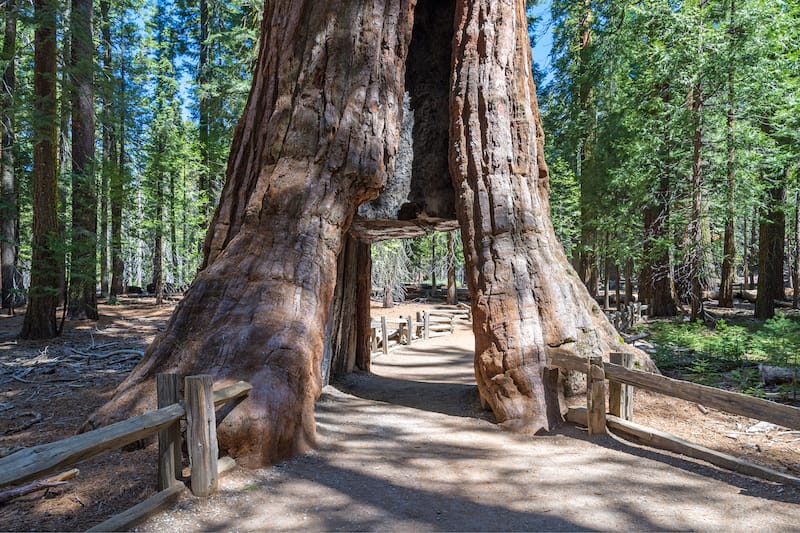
x=83 y=267
x=40 y=316
x=9 y=217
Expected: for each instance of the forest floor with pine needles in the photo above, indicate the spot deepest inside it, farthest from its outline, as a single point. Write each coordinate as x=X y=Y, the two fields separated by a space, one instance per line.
x=408 y=447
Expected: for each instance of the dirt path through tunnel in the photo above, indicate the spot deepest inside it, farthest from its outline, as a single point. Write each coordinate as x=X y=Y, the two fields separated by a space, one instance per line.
x=408 y=448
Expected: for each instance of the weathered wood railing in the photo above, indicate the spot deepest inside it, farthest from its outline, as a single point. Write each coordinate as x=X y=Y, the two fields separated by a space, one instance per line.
x=388 y=333
x=198 y=409
x=622 y=378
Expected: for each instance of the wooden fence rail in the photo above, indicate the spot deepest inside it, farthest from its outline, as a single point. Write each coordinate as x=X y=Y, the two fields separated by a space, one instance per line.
x=37 y=461
x=388 y=333
x=621 y=378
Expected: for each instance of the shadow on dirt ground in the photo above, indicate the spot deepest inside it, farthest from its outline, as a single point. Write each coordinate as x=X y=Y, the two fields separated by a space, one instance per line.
x=408 y=448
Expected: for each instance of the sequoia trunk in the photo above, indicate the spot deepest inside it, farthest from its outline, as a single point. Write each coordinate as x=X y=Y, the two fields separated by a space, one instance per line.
x=526 y=298
x=318 y=135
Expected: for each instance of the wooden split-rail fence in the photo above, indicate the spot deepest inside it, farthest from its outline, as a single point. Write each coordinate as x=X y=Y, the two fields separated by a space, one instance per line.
x=626 y=316
x=388 y=333
x=197 y=408
x=622 y=378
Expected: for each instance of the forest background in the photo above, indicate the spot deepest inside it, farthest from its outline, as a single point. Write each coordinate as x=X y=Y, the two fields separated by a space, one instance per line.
x=672 y=139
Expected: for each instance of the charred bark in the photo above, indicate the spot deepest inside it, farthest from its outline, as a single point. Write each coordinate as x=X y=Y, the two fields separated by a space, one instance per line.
x=317 y=138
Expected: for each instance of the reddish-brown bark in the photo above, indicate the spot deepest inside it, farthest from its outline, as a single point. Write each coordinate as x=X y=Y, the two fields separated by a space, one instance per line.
x=40 y=315
x=318 y=135
x=526 y=298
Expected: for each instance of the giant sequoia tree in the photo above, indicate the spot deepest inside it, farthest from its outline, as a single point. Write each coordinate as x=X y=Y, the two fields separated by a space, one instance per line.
x=318 y=137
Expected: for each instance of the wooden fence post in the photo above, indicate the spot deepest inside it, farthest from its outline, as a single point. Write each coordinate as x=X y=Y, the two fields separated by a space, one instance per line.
x=384 y=335
x=426 y=317
x=169 y=439
x=374 y=337
x=620 y=396
x=596 y=396
x=401 y=326
x=411 y=331
x=201 y=434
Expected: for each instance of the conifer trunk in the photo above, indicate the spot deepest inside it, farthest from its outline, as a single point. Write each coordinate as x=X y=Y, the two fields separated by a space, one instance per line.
x=9 y=207
x=526 y=298
x=318 y=136
x=117 y=191
x=729 y=239
x=771 y=233
x=83 y=270
x=40 y=315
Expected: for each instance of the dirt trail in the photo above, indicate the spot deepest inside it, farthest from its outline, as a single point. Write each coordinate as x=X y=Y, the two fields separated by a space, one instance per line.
x=409 y=448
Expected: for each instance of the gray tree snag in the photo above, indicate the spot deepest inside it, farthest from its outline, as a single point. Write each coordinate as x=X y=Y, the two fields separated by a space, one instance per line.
x=526 y=298
x=319 y=136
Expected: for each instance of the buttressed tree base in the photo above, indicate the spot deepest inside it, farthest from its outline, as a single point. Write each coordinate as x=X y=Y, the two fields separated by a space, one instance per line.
x=326 y=129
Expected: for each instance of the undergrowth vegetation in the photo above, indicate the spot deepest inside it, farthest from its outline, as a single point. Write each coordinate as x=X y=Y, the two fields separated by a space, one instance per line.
x=728 y=354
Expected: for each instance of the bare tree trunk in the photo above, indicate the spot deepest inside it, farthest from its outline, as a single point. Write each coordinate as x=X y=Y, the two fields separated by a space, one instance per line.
x=204 y=135
x=64 y=165
x=729 y=243
x=526 y=298
x=347 y=340
x=796 y=250
x=40 y=316
x=695 y=231
x=745 y=256
x=452 y=296
x=751 y=252
x=588 y=270
x=434 y=284
x=107 y=146
x=158 y=242
x=655 y=281
x=83 y=270
x=117 y=189
x=771 y=234
x=318 y=135
x=628 y=281
x=9 y=208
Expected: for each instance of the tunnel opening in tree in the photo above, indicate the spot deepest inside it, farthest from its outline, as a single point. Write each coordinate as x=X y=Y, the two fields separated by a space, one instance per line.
x=319 y=136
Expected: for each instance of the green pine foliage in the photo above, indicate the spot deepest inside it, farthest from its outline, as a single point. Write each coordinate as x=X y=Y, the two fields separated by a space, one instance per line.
x=618 y=115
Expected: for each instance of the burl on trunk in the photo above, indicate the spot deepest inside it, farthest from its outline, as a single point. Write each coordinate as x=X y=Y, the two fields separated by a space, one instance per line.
x=318 y=137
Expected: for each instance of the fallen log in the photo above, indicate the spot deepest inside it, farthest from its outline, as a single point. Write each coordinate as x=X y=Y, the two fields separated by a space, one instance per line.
x=637 y=337
x=750 y=296
x=774 y=375
x=33 y=486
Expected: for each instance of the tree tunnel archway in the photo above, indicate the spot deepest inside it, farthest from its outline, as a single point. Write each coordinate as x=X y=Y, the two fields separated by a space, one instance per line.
x=320 y=136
